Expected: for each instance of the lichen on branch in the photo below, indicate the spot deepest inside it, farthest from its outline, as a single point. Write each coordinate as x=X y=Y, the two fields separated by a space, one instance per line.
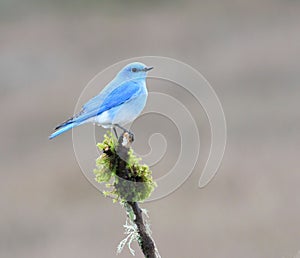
x=125 y=177
x=128 y=182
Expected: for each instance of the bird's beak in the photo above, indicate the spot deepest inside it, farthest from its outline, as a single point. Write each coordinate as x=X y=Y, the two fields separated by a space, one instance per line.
x=148 y=68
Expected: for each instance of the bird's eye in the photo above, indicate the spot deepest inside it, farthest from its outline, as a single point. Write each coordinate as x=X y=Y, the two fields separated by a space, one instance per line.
x=134 y=70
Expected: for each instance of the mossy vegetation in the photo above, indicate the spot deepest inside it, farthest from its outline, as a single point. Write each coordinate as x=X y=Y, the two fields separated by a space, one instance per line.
x=125 y=177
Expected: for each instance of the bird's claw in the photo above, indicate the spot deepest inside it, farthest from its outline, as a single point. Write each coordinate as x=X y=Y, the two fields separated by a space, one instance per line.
x=130 y=134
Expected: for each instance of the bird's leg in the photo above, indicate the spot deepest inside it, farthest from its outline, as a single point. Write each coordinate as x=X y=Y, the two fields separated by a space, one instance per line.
x=121 y=127
x=125 y=130
x=115 y=131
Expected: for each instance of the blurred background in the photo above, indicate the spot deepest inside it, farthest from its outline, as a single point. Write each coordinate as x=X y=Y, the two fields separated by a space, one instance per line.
x=248 y=50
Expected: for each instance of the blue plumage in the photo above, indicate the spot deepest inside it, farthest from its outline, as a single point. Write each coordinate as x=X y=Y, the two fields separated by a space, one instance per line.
x=126 y=91
x=119 y=103
x=62 y=130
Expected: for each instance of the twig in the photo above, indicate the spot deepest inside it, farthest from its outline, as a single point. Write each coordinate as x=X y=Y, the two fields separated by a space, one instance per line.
x=146 y=242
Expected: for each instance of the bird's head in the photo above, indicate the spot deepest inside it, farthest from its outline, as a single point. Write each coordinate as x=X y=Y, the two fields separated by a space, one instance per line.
x=135 y=71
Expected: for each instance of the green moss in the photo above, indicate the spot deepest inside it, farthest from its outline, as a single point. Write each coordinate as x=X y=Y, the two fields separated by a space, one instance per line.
x=134 y=183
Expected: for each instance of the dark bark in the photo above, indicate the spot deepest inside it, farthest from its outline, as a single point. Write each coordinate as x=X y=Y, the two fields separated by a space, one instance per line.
x=146 y=243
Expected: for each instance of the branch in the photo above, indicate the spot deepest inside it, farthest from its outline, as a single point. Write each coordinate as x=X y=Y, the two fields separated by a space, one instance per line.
x=129 y=182
x=146 y=243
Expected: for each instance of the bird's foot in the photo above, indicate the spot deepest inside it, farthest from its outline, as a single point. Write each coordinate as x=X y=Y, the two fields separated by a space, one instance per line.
x=130 y=134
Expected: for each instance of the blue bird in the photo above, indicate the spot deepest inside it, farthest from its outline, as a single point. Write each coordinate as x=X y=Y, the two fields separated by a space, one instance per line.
x=118 y=104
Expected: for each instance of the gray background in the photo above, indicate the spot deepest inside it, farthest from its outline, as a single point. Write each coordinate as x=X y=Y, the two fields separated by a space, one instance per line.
x=248 y=50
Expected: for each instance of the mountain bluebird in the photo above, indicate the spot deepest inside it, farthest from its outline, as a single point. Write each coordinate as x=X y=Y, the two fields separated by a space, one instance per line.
x=118 y=104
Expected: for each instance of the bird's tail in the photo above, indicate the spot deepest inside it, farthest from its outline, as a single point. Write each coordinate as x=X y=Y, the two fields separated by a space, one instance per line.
x=63 y=128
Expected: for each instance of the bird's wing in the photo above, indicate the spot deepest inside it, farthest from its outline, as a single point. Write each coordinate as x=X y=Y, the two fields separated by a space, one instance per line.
x=94 y=102
x=120 y=95
x=123 y=93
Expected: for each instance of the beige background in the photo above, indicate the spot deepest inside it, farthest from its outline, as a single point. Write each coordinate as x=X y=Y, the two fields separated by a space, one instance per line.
x=248 y=50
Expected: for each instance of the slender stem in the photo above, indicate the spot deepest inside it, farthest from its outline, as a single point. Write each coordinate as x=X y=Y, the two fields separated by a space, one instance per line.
x=146 y=242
